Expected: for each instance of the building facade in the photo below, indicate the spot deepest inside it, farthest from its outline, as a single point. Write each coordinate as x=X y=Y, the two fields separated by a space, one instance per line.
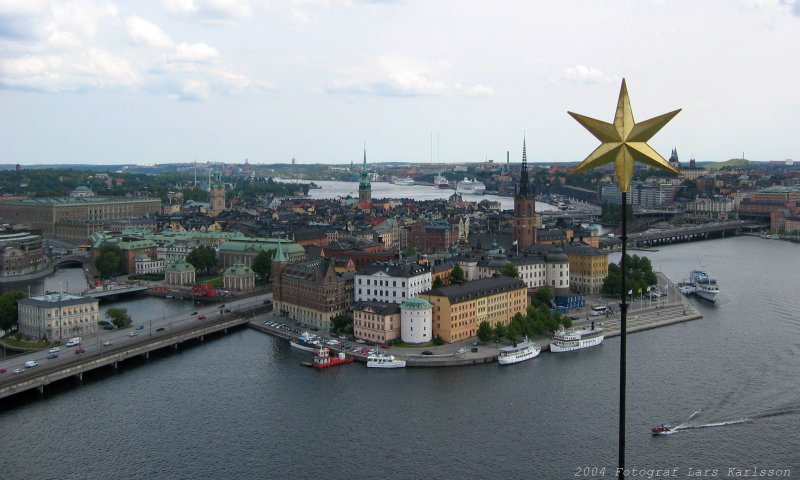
x=459 y=309
x=391 y=282
x=588 y=268
x=526 y=222
x=376 y=322
x=57 y=317
x=416 y=321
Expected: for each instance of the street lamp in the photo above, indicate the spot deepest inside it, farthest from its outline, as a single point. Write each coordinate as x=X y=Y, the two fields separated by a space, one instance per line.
x=624 y=143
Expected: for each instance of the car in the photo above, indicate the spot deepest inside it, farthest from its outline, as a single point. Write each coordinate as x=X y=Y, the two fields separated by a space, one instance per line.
x=31 y=363
x=19 y=370
x=108 y=343
x=227 y=310
x=461 y=350
x=194 y=313
x=160 y=329
x=222 y=306
x=2 y=370
x=132 y=334
x=475 y=344
x=80 y=350
x=360 y=340
x=139 y=327
x=108 y=327
x=428 y=352
x=201 y=317
x=52 y=356
x=385 y=345
x=54 y=349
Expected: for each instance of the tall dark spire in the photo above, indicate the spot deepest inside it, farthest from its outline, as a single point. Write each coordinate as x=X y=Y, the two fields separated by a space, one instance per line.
x=523 y=176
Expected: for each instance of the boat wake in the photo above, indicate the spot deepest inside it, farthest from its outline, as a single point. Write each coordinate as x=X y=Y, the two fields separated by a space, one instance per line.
x=690 y=423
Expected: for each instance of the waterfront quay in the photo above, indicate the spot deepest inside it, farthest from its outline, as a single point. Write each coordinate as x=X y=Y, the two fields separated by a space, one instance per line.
x=643 y=314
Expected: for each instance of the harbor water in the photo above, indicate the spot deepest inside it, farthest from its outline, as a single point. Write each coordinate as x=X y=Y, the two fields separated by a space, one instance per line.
x=241 y=406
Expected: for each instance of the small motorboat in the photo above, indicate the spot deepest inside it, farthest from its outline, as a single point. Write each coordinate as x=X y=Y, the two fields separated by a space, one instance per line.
x=661 y=429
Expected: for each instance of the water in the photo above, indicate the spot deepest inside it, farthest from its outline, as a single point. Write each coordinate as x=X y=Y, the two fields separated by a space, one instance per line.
x=242 y=407
x=333 y=189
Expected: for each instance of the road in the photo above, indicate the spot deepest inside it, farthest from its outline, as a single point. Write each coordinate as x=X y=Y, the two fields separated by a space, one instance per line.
x=127 y=336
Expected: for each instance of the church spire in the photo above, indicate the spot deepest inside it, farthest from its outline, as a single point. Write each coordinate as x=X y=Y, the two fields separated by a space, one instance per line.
x=523 y=176
x=279 y=256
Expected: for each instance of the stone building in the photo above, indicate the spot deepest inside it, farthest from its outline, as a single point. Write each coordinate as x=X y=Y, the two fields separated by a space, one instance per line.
x=20 y=253
x=376 y=322
x=416 y=321
x=57 y=317
x=239 y=278
x=391 y=282
x=179 y=274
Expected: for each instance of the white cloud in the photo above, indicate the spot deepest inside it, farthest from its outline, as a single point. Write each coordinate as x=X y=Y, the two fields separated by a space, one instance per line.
x=81 y=16
x=193 y=89
x=193 y=53
x=401 y=76
x=93 y=69
x=211 y=12
x=146 y=33
x=581 y=74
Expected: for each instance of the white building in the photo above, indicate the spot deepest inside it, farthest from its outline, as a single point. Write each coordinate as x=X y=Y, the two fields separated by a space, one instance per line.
x=57 y=317
x=143 y=265
x=391 y=282
x=416 y=321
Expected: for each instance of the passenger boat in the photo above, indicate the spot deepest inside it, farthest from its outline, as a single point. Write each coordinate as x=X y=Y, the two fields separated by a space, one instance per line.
x=705 y=286
x=518 y=353
x=382 y=360
x=441 y=181
x=569 y=340
x=323 y=358
x=307 y=342
x=407 y=181
x=470 y=187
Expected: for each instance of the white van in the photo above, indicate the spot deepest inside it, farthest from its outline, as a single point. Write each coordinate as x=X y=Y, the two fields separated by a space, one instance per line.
x=30 y=363
x=599 y=310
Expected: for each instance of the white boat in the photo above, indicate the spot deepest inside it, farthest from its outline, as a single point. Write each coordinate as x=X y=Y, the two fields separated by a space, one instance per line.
x=470 y=187
x=705 y=287
x=518 y=353
x=407 y=181
x=441 y=181
x=569 y=340
x=382 y=360
x=307 y=342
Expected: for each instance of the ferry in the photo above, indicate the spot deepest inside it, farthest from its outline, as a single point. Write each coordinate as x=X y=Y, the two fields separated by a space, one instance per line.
x=518 y=353
x=408 y=181
x=569 y=340
x=471 y=187
x=441 y=181
x=382 y=360
x=307 y=342
x=323 y=359
x=705 y=287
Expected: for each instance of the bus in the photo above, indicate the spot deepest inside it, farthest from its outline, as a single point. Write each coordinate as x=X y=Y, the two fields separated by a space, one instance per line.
x=600 y=310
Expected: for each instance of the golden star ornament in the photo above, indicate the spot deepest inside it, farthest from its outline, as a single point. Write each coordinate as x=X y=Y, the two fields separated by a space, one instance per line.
x=624 y=142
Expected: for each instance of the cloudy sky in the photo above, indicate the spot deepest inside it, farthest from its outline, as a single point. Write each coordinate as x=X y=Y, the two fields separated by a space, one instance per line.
x=157 y=81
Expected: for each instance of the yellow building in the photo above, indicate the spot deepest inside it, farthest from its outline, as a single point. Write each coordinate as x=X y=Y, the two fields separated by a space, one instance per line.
x=459 y=309
x=588 y=268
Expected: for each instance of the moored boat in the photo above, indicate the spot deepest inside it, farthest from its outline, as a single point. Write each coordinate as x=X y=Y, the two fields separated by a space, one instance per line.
x=307 y=342
x=323 y=358
x=705 y=286
x=441 y=181
x=407 y=181
x=518 y=353
x=382 y=360
x=568 y=340
x=471 y=187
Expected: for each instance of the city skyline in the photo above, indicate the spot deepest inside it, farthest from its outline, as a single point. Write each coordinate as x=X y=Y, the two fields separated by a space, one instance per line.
x=177 y=81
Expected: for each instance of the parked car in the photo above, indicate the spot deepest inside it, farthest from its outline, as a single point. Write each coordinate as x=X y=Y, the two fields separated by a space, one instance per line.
x=54 y=349
x=2 y=370
x=19 y=370
x=428 y=352
x=108 y=327
x=80 y=350
x=201 y=317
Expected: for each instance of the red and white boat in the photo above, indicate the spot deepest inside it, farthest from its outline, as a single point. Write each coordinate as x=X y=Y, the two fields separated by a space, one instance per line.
x=323 y=358
x=661 y=430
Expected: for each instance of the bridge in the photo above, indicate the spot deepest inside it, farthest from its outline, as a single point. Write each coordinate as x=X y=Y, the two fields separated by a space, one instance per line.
x=115 y=291
x=74 y=366
x=688 y=234
x=70 y=261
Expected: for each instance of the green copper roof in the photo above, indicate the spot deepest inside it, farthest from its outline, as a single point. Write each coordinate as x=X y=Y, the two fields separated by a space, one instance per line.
x=415 y=303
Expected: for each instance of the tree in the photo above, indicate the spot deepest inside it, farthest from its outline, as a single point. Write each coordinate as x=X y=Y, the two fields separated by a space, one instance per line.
x=484 y=331
x=342 y=323
x=509 y=270
x=437 y=340
x=109 y=260
x=408 y=251
x=500 y=331
x=8 y=309
x=438 y=283
x=262 y=264
x=543 y=296
x=203 y=258
x=457 y=274
x=119 y=317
